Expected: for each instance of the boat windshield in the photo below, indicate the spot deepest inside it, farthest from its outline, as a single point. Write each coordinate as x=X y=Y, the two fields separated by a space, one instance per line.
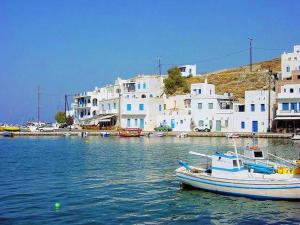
x=235 y=163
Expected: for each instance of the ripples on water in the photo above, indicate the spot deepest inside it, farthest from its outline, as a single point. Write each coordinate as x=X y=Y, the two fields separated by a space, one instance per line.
x=123 y=181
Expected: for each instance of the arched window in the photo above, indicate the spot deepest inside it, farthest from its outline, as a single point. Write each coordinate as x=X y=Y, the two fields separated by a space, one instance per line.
x=94 y=113
x=143 y=96
x=95 y=102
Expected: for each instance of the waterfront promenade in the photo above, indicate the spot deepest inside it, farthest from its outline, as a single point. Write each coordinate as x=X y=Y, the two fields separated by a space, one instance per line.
x=145 y=133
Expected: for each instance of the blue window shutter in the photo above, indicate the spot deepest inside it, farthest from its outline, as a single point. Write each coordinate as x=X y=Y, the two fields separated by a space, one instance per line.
x=128 y=107
x=285 y=106
x=252 y=107
x=243 y=125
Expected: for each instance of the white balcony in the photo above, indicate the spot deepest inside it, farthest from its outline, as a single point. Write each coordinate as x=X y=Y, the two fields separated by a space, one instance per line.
x=288 y=113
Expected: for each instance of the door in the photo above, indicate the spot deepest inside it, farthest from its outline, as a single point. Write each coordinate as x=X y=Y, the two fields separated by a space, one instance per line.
x=254 y=126
x=218 y=125
x=142 y=123
x=172 y=123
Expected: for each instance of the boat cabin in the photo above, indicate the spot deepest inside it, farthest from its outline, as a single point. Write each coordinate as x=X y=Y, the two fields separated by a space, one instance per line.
x=226 y=165
x=254 y=153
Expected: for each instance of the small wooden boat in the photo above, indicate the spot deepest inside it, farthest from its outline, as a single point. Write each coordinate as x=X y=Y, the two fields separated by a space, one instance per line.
x=182 y=135
x=232 y=135
x=296 y=136
x=228 y=173
x=130 y=132
x=160 y=134
x=10 y=128
x=7 y=134
x=105 y=134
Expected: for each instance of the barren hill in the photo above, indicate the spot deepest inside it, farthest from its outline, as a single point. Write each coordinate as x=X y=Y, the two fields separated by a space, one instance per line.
x=239 y=80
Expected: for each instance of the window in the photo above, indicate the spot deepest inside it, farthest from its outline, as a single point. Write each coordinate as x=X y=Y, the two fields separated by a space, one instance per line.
x=115 y=105
x=165 y=106
x=210 y=105
x=252 y=108
x=143 y=96
x=144 y=85
x=258 y=154
x=128 y=122
x=139 y=86
x=94 y=102
x=159 y=108
x=89 y=113
x=199 y=91
x=89 y=100
x=94 y=113
x=294 y=106
x=108 y=106
x=210 y=124
x=141 y=107
x=243 y=125
x=135 y=122
x=284 y=90
x=291 y=90
x=288 y=69
x=102 y=106
x=285 y=106
x=199 y=105
x=210 y=92
x=181 y=121
x=226 y=123
x=262 y=107
x=200 y=123
x=298 y=76
x=128 y=107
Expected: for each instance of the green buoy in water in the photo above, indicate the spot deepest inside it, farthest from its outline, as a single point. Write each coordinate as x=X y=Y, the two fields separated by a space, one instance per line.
x=57 y=205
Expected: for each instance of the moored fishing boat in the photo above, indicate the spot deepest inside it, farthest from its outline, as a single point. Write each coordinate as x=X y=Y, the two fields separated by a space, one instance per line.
x=10 y=128
x=7 y=134
x=228 y=174
x=130 y=132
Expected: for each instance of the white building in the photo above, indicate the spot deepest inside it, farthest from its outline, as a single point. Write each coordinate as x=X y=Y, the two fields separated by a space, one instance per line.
x=253 y=116
x=176 y=113
x=288 y=107
x=188 y=70
x=210 y=109
x=140 y=102
x=290 y=62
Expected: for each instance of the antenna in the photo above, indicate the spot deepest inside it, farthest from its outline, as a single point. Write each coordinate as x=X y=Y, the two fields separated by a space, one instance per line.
x=159 y=66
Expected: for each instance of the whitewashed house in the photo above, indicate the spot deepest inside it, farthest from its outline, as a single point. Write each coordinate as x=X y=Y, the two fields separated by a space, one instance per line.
x=140 y=100
x=188 y=70
x=253 y=116
x=288 y=107
x=210 y=109
x=290 y=62
x=176 y=113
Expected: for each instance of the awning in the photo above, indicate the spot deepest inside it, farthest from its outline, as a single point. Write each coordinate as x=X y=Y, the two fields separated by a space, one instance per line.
x=287 y=118
x=105 y=118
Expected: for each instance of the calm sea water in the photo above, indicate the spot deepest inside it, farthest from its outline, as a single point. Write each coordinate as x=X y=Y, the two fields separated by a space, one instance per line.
x=123 y=181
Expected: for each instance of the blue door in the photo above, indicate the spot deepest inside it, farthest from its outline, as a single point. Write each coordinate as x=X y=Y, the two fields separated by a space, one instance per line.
x=142 y=123
x=254 y=126
x=172 y=123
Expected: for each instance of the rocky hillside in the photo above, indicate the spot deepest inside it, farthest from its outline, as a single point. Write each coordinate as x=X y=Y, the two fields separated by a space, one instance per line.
x=239 y=80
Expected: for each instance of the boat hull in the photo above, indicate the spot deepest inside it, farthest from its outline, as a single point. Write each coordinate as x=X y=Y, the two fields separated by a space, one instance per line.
x=252 y=189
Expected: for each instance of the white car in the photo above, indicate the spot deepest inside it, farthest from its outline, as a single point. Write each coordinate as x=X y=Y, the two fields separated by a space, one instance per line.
x=204 y=128
x=47 y=128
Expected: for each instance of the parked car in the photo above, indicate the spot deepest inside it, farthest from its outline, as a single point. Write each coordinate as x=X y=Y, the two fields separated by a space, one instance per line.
x=47 y=128
x=163 y=129
x=204 y=128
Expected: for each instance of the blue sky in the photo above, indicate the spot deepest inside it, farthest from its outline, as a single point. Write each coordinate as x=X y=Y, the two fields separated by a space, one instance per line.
x=72 y=45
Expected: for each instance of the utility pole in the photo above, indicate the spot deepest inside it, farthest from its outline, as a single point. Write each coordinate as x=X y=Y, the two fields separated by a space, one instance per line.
x=38 y=105
x=270 y=74
x=250 y=49
x=66 y=106
x=159 y=66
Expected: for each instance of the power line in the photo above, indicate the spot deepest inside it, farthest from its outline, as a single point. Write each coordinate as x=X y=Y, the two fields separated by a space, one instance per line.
x=213 y=58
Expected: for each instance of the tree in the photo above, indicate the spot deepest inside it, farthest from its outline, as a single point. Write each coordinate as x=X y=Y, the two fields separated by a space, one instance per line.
x=60 y=117
x=69 y=120
x=175 y=81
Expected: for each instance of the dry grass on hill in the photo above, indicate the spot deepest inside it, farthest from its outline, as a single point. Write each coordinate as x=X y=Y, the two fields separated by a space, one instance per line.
x=239 y=80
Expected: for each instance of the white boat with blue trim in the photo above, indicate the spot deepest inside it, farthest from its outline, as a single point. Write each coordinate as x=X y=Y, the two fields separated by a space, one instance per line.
x=229 y=174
